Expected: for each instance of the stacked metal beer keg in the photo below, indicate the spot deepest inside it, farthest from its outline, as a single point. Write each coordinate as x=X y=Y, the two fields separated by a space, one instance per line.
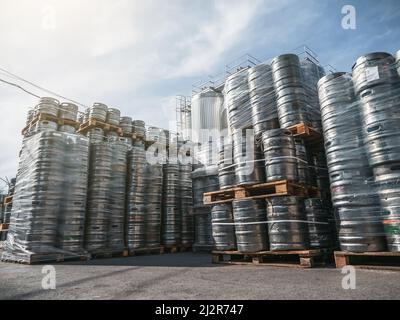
x=248 y=159
x=171 y=218
x=226 y=166
x=154 y=191
x=319 y=223
x=68 y=111
x=204 y=179
x=291 y=95
x=99 y=196
x=71 y=222
x=353 y=194
x=377 y=85
x=186 y=203
x=136 y=199
x=237 y=100
x=113 y=116
x=49 y=106
x=138 y=127
x=280 y=155
x=37 y=197
x=119 y=168
x=398 y=61
x=250 y=227
x=127 y=129
x=98 y=111
x=311 y=73
x=303 y=171
x=287 y=227
x=262 y=98
x=223 y=228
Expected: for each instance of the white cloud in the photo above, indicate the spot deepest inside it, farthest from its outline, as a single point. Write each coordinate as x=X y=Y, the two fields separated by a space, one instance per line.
x=109 y=51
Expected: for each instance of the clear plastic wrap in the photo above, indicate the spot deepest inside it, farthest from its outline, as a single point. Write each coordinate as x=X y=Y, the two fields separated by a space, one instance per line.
x=262 y=97
x=360 y=115
x=50 y=188
x=223 y=235
x=98 y=214
x=237 y=100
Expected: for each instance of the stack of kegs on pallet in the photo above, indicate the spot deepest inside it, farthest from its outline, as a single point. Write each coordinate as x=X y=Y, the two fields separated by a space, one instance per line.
x=204 y=179
x=377 y=85
x=52 y=107
x=359 y=114
x=50 y=196
x=282 y=95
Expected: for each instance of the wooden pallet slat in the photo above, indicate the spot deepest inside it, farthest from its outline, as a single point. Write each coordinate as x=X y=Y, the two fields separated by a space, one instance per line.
x=8 y=199
x=309 y=134
x=260 y=191
x=368 y=260
x=298 y=258
x=49 y=117
x=94 y=123
x=4 y=226
x=143 y=251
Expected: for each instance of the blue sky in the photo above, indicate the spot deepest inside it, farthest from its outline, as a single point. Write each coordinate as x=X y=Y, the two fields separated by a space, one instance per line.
x=137 y=55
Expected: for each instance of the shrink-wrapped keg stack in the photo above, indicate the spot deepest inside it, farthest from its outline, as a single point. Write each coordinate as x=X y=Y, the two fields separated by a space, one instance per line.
x=136 y=200
x=377 y=85
x=226 y=165
x=49 y=197
x=291 y=96
x=237 y=100
x=118 y=191
x=353 y=194
x=262 y=97
x=154 y=192
x=99 y=196
x=186 y=203
x=204 y=179
x=71 y=222
x=171 y=217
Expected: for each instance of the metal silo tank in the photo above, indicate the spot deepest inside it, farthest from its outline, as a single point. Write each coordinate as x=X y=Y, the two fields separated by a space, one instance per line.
x=206 y=110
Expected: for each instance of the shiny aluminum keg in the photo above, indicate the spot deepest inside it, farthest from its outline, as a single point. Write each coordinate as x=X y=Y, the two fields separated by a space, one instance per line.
x=95 y=135
x=287 y=223
x=203 y=227
x=374 y=69
x=262 y=98
x=226 y=166
x=98 y=111
x=250 y=227
x=223 y=235
x=280 y=155
x=113 y=116
x=126 y=124
x=68 y=111
x=319 y=228
x=248 y=159
x=138 y=127
x=48 y=106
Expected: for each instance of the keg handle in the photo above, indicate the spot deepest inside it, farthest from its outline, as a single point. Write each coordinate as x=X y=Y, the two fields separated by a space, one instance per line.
x=367 y=93
x=374 y=128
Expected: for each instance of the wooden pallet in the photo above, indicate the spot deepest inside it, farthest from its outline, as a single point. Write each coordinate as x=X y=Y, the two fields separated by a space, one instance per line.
x=260 y=191
x=294 y=259
x=94 y=123
x=368 y=260
x=143 y=251
x=8 y=199
x=4 y=226
x=49 y=117
x=307 y=133
x=37 y=258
